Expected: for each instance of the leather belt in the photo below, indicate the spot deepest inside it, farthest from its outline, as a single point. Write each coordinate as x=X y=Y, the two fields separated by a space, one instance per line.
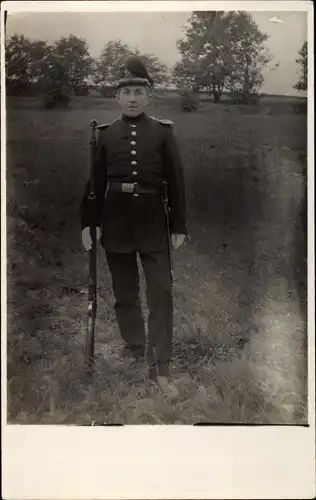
x=131 y=188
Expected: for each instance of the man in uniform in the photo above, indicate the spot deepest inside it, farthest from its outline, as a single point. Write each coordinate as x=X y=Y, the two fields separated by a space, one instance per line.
x=135 y=155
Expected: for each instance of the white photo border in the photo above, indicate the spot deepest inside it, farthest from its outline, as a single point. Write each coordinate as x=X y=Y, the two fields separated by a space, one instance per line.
x=68 y=462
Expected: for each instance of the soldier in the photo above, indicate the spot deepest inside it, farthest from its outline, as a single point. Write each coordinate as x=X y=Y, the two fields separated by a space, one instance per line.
x=135 y=155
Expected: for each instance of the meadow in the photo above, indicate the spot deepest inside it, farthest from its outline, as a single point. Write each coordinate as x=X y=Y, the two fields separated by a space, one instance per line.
x=240 y=279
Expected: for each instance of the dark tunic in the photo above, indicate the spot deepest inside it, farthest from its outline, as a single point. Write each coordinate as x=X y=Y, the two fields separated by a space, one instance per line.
x=141 y=150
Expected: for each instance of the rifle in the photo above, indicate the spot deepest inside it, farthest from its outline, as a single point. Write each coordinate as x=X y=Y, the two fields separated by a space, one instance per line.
x=92 y=291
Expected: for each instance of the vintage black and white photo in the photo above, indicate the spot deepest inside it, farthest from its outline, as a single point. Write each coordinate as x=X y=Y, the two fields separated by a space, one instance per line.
x=156 y=208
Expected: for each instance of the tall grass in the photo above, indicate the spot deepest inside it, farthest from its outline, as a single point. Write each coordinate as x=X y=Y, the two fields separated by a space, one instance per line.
x=240 y=339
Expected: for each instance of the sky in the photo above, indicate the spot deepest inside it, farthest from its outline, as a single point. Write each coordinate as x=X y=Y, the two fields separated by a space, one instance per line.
x=158 y=32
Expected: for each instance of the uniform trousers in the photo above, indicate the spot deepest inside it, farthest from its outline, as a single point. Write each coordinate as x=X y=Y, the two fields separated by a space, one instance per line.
x=126 y=288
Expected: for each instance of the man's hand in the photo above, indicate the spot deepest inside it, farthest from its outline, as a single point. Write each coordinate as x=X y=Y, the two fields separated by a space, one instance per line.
x=177 y=240
x=86 y=238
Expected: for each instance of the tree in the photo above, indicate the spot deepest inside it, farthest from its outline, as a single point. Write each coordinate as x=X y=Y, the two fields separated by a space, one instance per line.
x=157 y=69
x=52 y=78
x=54 y=82
x=205 y=57
x=222 y=51
x=301 y=85
x=185 y=74
x=74 y=55
x=249 y=55
x=22 y=58
x=113 y=55
x=35 y=66
x=107 y=64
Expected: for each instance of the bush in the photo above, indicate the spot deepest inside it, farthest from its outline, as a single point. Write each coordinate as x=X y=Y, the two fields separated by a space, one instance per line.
x=244 y=98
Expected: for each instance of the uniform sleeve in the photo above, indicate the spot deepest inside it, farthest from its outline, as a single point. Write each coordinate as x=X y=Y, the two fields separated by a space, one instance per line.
x=174 y=174
x=100 y=181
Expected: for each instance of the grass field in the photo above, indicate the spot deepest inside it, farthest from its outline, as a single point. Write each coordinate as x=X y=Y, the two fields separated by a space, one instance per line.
x=240 y=279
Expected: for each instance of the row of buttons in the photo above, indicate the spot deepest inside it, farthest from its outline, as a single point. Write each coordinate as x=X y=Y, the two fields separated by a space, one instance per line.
x=133 y=152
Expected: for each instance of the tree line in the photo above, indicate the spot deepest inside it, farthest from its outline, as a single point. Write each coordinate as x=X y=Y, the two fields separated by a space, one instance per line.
x=220 y=52
x=36 y=66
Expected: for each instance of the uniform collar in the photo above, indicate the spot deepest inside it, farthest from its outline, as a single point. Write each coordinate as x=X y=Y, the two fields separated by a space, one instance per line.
x=137 y=119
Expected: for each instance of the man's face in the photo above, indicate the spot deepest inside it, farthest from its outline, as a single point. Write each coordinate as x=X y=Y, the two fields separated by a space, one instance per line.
x=133 y=99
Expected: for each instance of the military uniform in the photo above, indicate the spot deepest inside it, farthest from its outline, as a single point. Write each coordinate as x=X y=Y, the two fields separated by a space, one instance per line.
x=134 y=157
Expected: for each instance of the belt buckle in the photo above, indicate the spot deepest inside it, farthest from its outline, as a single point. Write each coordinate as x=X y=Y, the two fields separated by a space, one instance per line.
x=128 y=187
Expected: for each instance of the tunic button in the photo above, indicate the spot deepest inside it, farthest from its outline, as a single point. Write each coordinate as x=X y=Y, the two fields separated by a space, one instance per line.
x=132 y=125
x=136 y=195
x=133 y=133
x=133 y=152
x=133 y=143
x=134 y=172
x=133 y=162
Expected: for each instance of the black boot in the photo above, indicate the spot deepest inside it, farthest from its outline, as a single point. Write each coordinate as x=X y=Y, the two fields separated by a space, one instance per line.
x=160 y=374
x=158 y=369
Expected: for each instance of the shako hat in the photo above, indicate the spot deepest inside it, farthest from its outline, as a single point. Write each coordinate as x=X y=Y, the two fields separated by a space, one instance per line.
x=133 y=72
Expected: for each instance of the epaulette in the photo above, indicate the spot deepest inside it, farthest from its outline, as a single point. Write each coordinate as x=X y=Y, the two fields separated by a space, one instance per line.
x=105 y=125
x=163 y=122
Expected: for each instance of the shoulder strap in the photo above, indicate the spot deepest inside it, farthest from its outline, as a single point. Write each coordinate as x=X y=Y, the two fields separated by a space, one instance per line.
x=101 y=127
x=106 y=125
x=163 y=122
